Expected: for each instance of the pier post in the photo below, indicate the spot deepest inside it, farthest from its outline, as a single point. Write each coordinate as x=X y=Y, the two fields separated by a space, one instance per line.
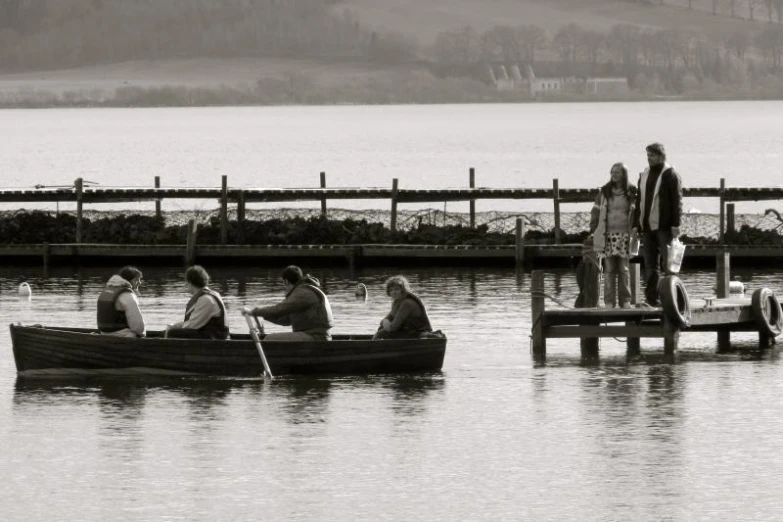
x=722 y=229
x=633 y=345
x=79 y=185
x=722 y=270
x=537 y=306
x=671 y=340
x=224 y=211
x=472 y=201
x=158 y=213
x=730 y=217
x=519 y=250
x=556 y=202
x=47 y=256
x=190 y=247
x=241 y=216
x=393 y=225
x=323 y=198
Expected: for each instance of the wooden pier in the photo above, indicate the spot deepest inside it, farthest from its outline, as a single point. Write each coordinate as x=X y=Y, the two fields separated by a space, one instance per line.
x=524 y=255
x=678 y=313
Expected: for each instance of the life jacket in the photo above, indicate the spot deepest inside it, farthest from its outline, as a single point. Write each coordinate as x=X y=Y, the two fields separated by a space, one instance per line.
x=317 y=318
x=216 y=327
x=109 y=318
x=416 y=325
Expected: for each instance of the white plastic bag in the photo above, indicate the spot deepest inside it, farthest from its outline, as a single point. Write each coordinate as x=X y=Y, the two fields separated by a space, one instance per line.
x=674 y=257
x=633 y=244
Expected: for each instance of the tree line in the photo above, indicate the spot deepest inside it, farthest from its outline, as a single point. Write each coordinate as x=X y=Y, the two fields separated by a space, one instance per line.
x=678 y=60
x=63 y=33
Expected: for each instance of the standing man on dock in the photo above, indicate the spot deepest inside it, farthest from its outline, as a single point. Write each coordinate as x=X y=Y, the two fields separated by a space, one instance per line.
x=657 y=216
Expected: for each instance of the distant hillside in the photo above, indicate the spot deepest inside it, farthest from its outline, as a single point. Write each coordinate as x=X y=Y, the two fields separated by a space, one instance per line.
x=424 y=19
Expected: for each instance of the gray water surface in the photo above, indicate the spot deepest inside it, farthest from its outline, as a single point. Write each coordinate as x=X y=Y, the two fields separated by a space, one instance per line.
x=491 y=437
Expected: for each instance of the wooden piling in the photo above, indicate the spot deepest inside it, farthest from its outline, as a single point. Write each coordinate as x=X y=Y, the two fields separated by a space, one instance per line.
x=190 y=247
x=537 y=306
x=241 y=216
x=472 y=182
x=395 y=191
x=633 y=344
x=47 y=258
x=671 y=339
x=323 y=198
x=721 y=196
x=519 y=251
x=79 y=185
x=224 y=210
x=723 y=274
x=730 y=217
x=589 y=348
x=556 y=201
x=158 y=212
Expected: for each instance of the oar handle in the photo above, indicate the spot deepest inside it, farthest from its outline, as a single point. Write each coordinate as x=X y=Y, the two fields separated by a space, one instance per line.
x=254 y=333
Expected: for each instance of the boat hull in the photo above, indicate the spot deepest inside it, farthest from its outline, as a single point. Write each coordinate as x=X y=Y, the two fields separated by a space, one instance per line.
x=44 y=350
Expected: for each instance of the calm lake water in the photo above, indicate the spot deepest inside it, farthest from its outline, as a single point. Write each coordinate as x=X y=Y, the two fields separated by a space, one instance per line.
x=522 y=145
x=491 y=437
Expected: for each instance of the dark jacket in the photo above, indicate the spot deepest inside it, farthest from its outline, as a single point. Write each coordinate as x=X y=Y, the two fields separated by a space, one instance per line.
x=669 y=201
x=305 y=308
x=409 y=316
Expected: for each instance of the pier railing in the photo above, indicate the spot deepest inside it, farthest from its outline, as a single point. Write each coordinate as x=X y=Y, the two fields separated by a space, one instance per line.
x=226 y=195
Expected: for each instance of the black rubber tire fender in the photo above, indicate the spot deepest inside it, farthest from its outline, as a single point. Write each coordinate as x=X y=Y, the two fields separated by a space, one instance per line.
x=675 y=301
x=767 y=312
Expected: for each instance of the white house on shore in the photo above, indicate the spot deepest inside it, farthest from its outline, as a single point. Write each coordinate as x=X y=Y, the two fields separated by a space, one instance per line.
x=503 y=81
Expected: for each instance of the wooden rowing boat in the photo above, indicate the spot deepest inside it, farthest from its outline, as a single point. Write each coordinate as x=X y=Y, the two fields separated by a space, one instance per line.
x=46 y=350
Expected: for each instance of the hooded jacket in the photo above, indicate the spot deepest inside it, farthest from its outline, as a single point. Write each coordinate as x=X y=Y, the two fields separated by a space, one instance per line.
x=305 y=308
x=118 y=309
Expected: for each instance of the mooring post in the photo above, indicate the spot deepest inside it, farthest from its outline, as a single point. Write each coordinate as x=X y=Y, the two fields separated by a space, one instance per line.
x=393 y=225
x=158 y=212
x=47 y=254
x=721 y=192
x=323 y=197
x=556 y=202
x=730 y=217
x=190 y=247
x=519 y=251
x=241 y=216
x=79 y=185
x=671 y=339
x=537 y=307
x=633 y=345
x=722 y=271
x=224 y=211
x=472 y=201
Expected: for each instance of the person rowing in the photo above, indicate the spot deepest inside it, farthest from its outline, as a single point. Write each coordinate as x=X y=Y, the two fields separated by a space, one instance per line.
x=305 y=309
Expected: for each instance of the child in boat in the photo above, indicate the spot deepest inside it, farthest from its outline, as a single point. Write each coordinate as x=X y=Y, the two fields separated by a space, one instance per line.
x=408 y=317
x=611 y=220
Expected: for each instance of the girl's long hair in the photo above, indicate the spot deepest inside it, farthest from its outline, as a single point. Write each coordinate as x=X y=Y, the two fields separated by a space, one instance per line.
x=624 y=182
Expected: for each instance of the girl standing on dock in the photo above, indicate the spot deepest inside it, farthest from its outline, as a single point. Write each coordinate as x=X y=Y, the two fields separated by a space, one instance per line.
x=610 y=225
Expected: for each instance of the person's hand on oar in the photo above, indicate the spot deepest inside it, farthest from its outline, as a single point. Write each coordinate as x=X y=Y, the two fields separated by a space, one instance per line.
x=255 y=332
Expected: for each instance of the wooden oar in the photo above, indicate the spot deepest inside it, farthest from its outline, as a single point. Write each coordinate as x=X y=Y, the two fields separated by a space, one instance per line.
x=254 y=334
